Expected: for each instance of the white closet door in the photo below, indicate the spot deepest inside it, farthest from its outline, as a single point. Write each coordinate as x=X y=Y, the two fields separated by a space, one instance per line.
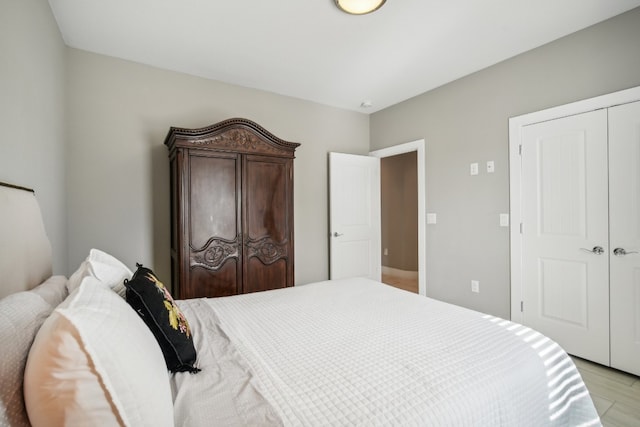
x=624 y=199
x=565 y=263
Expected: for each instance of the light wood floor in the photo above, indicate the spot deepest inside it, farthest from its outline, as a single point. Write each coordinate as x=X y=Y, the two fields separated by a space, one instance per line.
x=615 y=394
x=407 y=284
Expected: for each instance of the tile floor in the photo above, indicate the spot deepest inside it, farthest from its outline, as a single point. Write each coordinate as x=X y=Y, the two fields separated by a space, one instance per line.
x=616 y=394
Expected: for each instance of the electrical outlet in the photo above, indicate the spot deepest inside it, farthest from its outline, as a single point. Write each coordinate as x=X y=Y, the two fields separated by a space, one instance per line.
x=473 y=169
x=475 y=286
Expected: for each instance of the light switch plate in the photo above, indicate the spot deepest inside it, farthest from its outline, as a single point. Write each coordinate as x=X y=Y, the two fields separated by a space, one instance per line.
x=504 y=220
x=473 y=169
x=431 y=218
x=491 y=166
x=475 y=286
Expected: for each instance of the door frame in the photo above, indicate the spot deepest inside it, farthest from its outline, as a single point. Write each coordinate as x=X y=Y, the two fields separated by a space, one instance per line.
x=516 y=125
x=419 y=147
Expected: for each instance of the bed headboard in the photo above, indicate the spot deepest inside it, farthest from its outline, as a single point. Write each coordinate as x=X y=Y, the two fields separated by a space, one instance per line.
x=25 y=251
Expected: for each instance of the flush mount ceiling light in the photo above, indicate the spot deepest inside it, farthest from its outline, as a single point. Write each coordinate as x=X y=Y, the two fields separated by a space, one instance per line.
x=359 y=7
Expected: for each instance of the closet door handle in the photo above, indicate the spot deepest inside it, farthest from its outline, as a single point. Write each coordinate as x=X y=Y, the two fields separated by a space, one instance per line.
x=622 y=252
x=596 y=250
x=336 y=234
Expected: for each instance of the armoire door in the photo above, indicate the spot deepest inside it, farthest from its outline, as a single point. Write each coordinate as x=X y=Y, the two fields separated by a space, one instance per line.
x=624 y=207
x=214 y=225
x=267 y=223
x=565 y=263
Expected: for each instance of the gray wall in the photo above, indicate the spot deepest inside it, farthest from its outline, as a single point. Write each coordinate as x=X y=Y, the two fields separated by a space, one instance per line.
x=115 y=115
x=467 y=121
x=118 y=168
x=399 y=216
x=32 y=94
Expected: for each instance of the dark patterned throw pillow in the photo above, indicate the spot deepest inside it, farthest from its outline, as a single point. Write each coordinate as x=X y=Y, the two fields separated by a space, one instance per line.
x=153 y=302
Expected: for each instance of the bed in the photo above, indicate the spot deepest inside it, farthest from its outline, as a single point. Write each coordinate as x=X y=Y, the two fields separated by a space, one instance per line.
x=347 y=352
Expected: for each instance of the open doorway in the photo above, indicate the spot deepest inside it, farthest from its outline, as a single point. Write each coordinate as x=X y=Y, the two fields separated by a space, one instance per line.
x=399 y=220
x=403 y=210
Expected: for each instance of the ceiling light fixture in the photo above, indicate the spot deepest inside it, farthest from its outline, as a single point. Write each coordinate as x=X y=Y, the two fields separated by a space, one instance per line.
x=359 y=7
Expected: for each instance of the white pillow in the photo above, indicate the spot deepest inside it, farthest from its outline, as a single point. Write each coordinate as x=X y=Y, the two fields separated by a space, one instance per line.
x=94 y=362
x=104 y=267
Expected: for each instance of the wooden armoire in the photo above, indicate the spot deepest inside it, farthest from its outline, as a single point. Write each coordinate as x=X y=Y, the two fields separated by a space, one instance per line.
x=231 y=209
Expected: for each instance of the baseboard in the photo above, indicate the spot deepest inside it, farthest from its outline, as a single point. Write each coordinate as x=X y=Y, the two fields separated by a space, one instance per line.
x=405 y=274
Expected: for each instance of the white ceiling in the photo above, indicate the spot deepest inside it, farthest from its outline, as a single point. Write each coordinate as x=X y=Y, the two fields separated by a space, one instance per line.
x=309 y=49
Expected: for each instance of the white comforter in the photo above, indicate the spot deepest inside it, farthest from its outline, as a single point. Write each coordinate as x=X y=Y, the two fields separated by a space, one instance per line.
x=357 y=352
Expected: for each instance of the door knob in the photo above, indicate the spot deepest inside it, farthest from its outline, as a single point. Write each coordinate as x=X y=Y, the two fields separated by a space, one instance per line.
x=622 y=252
x=596 y=250
x=336 y=234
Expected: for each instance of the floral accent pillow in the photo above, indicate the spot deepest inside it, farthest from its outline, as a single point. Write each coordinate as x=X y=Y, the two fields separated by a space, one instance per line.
x=152 y=301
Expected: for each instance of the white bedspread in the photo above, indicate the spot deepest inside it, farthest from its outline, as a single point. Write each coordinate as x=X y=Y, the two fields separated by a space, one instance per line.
x=357 y=352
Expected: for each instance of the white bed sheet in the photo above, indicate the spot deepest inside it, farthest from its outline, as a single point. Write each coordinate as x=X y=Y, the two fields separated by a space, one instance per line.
x=357 y=352
x=223 y=393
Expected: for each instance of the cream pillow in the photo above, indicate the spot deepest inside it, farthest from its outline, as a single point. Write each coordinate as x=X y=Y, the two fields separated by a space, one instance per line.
x=104 y=267
x=53 y=290
x=94 y=362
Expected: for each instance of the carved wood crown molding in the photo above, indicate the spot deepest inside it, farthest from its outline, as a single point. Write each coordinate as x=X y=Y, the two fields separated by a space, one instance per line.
x=232 y=134
x=238 y=139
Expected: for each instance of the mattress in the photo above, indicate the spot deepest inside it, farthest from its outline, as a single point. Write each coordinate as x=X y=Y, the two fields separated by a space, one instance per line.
x=358 y=352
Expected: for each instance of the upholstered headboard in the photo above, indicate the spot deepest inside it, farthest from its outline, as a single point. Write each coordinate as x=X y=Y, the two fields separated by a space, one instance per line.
x=25 y=251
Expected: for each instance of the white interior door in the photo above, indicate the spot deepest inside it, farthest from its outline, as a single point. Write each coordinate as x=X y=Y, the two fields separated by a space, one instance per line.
x=354 y=205
x=564 y=205
x=624 y=205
